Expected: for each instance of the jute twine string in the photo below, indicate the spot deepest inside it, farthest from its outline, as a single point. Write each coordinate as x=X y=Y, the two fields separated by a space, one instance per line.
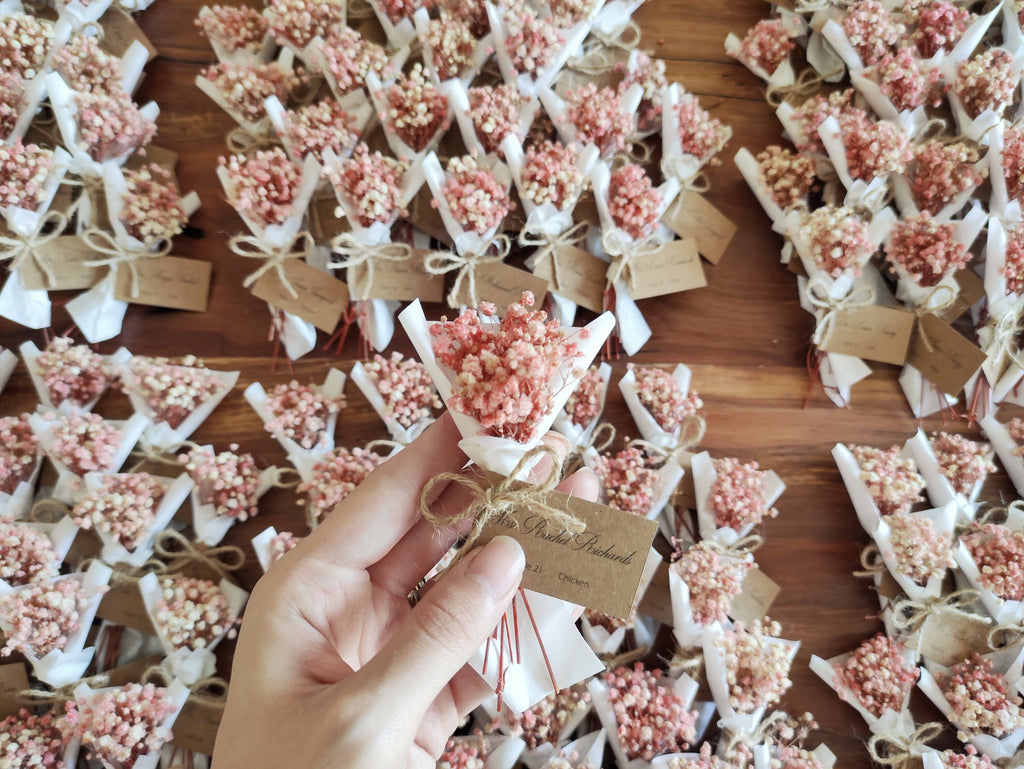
x=359 y=259
x=18 y=250
x=465 y=267
x=116 y=254
x=302 y=245
x=548 y=246
x=909 y=616
x=897 y=751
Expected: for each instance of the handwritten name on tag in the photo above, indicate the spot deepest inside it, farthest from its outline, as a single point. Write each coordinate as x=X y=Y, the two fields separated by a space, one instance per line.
x=579 y=276
x=406 y=280
x=167 y=281
x=672 y=268
x=942 y=355
x=501 y=284
x=321 y=298
x=66 y=256
x=874 y=333
x=692 y=216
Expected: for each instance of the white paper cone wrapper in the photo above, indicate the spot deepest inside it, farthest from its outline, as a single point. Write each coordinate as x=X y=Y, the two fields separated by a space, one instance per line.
x=974 y=128
x=161 y=434
x=1005 y=447
x=703 y=469
x=285 y=60
x=210 y=526
x=28 y=308
x=8 y=362
x=589 y=748
x=1000 y=205
x=868 y=194
x=399 y=35
x=399 y=148
x=35 y=92
x=944 y=522
x=688 y=632
x=782 y=76
x=603 y=642
x=674 y=161
x=649 y=428
x=539 y=756
x=399 y=433
x=1000 y=301
x=458 y=95
x=261 y=547
x=332 y=388
x=748 y=168
x=863 y=503
x=62 y=534
x=922 y=396
x=421 y=24
x=577 y=435
x=96 y=312
x=466 y=241
x=669 y=476
x=297 y=335
x=1002 y=611
x=24 y=222
x=17 y=504
x=631 y=326
x=30 y=354
x=940 y=490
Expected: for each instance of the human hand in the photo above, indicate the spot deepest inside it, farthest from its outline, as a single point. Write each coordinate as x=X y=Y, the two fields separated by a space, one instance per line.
x=333 y=667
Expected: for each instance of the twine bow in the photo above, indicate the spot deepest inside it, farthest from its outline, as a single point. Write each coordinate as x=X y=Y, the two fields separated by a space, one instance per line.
x=909 y=616
x=740 y=548
x=1004 y=636
x=105 y=243
x=691 y=433
x=61 y=694
x=91 y=185
x=871 y=562
x=818 y=298
x=443 y=262
x=600 y=439
x=548 y=246
x=624 y=252
x=17 y=250
x=999 y=514
x=626 y=39
x=180 y=553
x=244 y=142
x=807 y=84
x=1000 y=346
x=765 y=732
x=894 y=750
x=927 y=308
x=274 y=258
x=490 y=503
x=212 y=690
x=359 y=259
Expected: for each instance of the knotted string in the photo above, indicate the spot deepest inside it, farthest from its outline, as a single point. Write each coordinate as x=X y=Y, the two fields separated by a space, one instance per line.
x=490 y=503
x=691 y=433
x=286 y=478
x=602 y=436
x=909 y=616
x=925 y=308
x=443 y=262
x=359 y=259
x=91 y=185
x=274 y=257
x=698 y=183
x=626 y=39
x=18 y=250
x=871 y=562
x=1000 y=346
x=548 y=246
x=894 y=750
x=1005 y=635
x=625 y=658
x=48 y=511
x=243 y=142
x=105 y=243
x=739 y=549
x=807 y=84
x=165 y=455
x=180 y=553
x=623 y=252
x=212 y=690
x=765 y=732
x=861 y=297
x=61 y=694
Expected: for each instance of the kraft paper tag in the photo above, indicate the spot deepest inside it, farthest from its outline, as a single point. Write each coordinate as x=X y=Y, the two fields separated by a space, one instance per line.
x=657 y=600
x=321 y=298
x=756 y=597
x=501 y=284
x=427 y=219
x=586 y=209
x=87 y=544
x=167 y=281
x=888 y=587
x=951 y=361
x=692 y=216
x=672 y=268
x=324 y=224
x=599 y=568
x=120 y=31
x=579 y=276
x=66 y=255
x=196 y=726
x=949 y=636
x=13 y=681
x=874 y=333
x=122 y=604
x=406 y=280
x=972 y=289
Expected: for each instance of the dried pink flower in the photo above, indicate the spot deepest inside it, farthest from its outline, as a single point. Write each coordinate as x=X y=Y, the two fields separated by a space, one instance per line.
x=494 y=110
x=544 y=722
x=531 y=41
x=584 y=404
x=245 y=87
x=939 y=25
x=598 y=117
x=878 y=675
x=964 y=462
x=700 y=134
x=72 y=372
x=152 y=209
x=12 y=101
x=634 y=203
x=839 y=240
x=940 y=172
x=969 y=760
x=651 y=718
x=350 y=59
x=987 y=82
x=87 y=67
x=463 y=754
x=26 y=554
x=568 y=13
x=283 y=542
x=893 y=481
x=551 y=174
x=227 y=480
x=871 y=30
x=372 y=185
x=649 y=73
x=451 y=45
x=737 y=496
x=19 y=449
x=396 y=10
x=1013 y=162
x=999 y=555
x=713 y=579
x=335 y=477
x=907 y=81
x=1016 y=429
x=239 y=28
x=873 y=147
x=42 y=616
x=921 y=552
x=813 y=112
x=173 y=390
x=320 y=126
x=475 y=197
x=110 y=124
x=24 y=43
x=415 y=109
x=757 y=666
x=297 y=22
x=630 y=483
x=979 y=698
x=28 y=741
x=472 y=11
x=406 y=387
x=927 y=250
x=1013 y=269
x=767 y=44
x=787 y=176
x=123 y=506
x=119 y=726
x=660 y=394
x=85 y=443
x=300 y=412
x=504 y=371
x=263 y=186
x=192 y=613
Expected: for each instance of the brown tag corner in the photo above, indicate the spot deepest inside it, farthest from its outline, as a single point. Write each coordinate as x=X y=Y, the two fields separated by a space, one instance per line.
x=693 y=216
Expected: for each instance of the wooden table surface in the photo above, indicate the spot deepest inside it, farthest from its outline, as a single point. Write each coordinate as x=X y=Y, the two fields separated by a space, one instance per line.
x=744 y=336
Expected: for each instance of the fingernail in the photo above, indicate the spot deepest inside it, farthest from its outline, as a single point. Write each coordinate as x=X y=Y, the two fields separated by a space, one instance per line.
x=498 y=566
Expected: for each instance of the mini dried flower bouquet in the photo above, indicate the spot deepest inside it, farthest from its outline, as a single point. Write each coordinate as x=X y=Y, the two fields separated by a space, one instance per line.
x=402 y=393
x=703 y=580
x=991 y=560
x=954 y=469
x=733 y=497
x=70 y=377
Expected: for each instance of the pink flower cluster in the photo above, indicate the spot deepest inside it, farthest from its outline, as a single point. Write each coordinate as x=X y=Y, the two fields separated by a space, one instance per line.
x=969 y=760
x=320 y=126
x=283 y=542
x=630 y=484
x=871 y=30
x=939 y=25
x=767 y=45
x=110 y=125
x=233 y=28
x=263 y=186
x=26 y=554
x=660 y=394
x=494 y=110
x=585 y=402
x=1013 y=269
x=651 y=718
x=451 y=45
x=1016 y=429
x=24 y=43
x=350 y=58
x=568 y=13
x=396 y=10
x=245 y=87
x=649 y=73
x=228 y=481
x=756 y=665
x=634 y=203
x=12 y=101
x=42 y=616
x=964 y=462
x=19 y=449
x=926 y=249
x=531 y=41
x=838 y=239
x=119 y=726
x=786 y=175
x=72 y=372
x=737 y=497
x=85 y=443
x=598 y=117
x=300 y=412
x=921 y=552
x=908 y=83
x=87 y=67
x=813 y=112
x=406 y=387
x=193 y=613
x=337 y=476
x=28 y=741
x=152 y=209
x=544 y=722
x=999 y=555
x=505 y=373
x=700 y=134
x=942 y=171
x=372 y=185
x=979 y=698
x=416 y=110
x=463 y=754
x=297 y=22
x=878 y=675
x=987 y=82
x=474 y=12
x=475 y=197
x=874 y=148
x=173 y=391
x=551 y=175
x=1013 y=162
x=893 y=481
x=714 y=580
x=124 y=507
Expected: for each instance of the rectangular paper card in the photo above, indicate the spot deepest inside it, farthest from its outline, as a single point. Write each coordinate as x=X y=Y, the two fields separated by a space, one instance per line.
x=167 y=281
x=123 y=605
x=875 y=333
x=13 y=681
x=949 y=637
x=972 y=289
x=579 y=276
x=755 y=599
x=600 y=568
x=196 y=726
x=672 y=268
x=942 y=355
x=120 y=31
x=66 y=255
x=406 y=280
x=501 y=284
x=692 y=216
x=321 y=298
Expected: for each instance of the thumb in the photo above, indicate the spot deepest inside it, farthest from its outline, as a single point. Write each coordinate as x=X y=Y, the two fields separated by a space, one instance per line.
x=450 y=623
